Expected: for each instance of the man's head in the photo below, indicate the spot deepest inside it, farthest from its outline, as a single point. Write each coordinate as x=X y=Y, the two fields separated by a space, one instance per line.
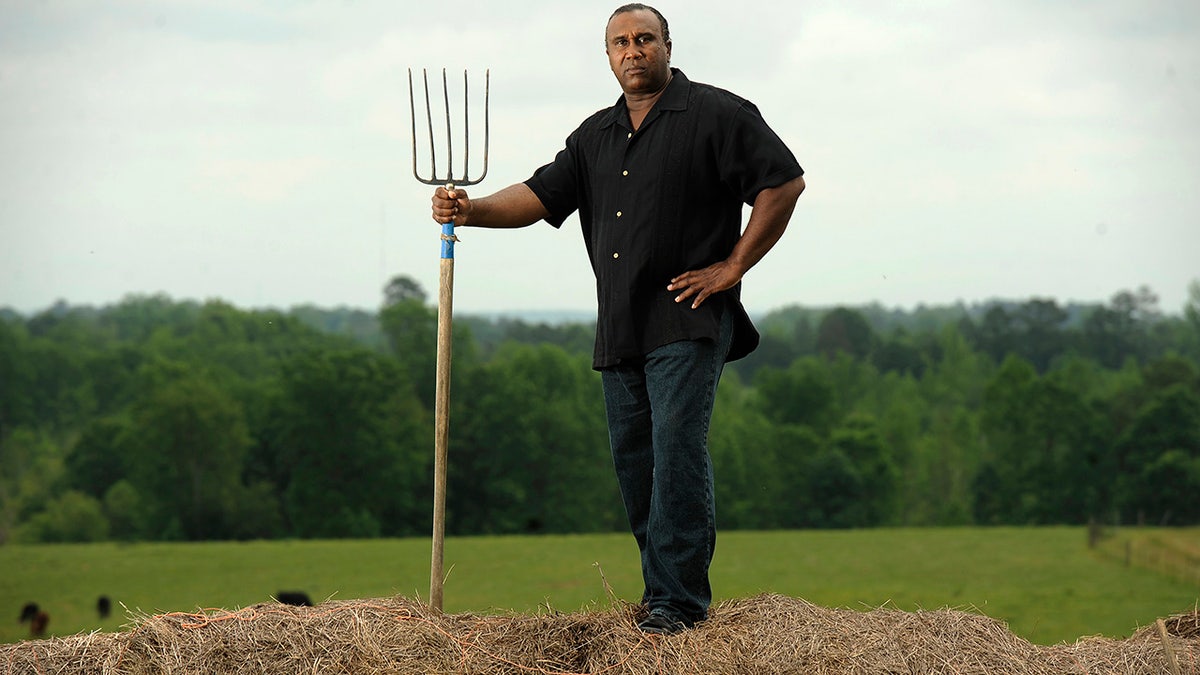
x=638 y=43
x=637 y=6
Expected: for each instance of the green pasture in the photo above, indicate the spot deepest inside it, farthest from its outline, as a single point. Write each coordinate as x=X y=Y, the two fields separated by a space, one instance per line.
x=1044 y=582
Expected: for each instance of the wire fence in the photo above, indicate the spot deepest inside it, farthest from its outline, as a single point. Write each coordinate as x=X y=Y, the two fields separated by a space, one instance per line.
x=1172 y=553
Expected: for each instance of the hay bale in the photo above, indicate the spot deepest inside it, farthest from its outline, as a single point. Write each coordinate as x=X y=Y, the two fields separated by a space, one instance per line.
x=752 y=636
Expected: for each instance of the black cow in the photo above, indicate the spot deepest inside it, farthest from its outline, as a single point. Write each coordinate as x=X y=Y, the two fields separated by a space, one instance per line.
x=29 y=611
x=37 y=619
x=297 y=598
x=103 y=606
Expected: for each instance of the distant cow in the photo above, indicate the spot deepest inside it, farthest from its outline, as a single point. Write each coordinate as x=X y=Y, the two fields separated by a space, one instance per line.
x=297 y=598
x=29 y=611
x=37 y=625
x=103 y=606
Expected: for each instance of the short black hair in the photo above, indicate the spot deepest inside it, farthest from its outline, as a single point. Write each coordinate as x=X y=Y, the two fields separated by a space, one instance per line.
x=635 y=6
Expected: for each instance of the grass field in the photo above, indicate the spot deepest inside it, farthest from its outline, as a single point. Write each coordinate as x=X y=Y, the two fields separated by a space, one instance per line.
x=1044 y=582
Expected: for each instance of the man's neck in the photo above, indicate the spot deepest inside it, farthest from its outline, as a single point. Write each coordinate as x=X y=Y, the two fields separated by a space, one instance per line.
x=640 y=104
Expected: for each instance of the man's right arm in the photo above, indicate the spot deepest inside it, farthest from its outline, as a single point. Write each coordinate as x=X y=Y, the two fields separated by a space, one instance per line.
x=514 y=206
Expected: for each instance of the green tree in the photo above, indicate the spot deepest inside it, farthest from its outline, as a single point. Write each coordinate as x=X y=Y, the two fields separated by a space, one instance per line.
x=949 y=449
x=1189 y=326
x=787 y=335
x=996 y=333
x=845 y=330
x=1045 y=461
x=1166 y=488
x=774 y=352
x=763 y=470
x=31 y=467
x=127 y=516
x=411 y=329
x=899 y=353
x=529 y=449
x=136 y=317
x=1163 y=437
x=999 y=486
x=58 y=391
x=837 y=495
x=72 y=517
x=184 y=452
x=809 y=495
x=902 y=426
x=1040 y=322
x=350 y=445
x=1122 y=329
x=942 y=464
x=1169 y=421
x=752 y=478
x=859 y=440
x=803 y=394
x=110 y=378
x=17 y=377
x=1169 y=371
x=403 y=288
x=94 y=463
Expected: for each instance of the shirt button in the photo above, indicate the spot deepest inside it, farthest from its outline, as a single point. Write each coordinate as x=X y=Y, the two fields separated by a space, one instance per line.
x=616 y=255
x=630 y=135
x=618 y=214
x=624 y=173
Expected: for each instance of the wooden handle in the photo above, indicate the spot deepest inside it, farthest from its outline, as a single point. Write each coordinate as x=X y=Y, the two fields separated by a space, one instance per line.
x=441 y=428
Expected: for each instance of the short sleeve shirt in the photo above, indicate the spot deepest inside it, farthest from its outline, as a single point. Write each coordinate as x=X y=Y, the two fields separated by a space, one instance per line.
x=659 y=201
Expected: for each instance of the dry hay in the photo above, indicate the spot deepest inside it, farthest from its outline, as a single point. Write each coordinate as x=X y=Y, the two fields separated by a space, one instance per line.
x=754 y=636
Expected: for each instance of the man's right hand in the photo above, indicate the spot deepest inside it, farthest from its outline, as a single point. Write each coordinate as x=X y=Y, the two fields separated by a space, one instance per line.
x=451 y=206
x=514 y=206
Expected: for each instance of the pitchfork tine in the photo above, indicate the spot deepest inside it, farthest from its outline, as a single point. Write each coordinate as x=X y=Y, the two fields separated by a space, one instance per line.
x=487 y=91
x=449 y=135
x=466 y=130
x=429 y=118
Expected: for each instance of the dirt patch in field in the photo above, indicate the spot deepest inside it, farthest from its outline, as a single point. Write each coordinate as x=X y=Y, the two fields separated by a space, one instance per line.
x=752 y=636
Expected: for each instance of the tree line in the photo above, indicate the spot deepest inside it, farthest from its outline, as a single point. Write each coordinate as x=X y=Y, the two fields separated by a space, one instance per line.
x=156 y=419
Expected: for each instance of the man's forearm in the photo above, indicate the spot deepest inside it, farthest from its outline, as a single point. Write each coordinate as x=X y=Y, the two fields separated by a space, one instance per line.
x=768 y=219
x=514 y=206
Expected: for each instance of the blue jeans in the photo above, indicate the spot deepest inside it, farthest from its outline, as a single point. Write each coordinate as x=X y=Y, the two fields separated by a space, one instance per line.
x=658 y=415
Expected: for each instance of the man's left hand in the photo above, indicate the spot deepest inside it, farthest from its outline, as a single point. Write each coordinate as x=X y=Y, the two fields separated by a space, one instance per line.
x=700 y=284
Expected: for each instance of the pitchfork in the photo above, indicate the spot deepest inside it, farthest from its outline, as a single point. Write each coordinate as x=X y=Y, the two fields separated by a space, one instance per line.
x=445 y=295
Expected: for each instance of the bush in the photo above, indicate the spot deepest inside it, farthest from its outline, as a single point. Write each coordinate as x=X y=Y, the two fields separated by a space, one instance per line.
x=73 y=517
x=123 y=506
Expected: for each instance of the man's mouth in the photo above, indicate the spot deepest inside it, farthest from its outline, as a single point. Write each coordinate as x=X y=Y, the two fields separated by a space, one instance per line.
x=636 y=70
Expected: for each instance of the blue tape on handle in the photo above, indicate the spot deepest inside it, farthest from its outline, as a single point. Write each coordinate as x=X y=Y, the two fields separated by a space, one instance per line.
x=448 y=240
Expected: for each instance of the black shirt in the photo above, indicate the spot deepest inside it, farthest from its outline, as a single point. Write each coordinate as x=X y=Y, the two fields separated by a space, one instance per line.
x=661 y=201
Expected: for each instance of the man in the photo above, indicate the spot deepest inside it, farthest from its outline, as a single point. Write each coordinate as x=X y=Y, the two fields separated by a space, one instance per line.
x=659 y=180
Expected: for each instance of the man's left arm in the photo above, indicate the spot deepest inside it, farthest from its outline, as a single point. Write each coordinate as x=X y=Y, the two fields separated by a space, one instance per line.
x=768 y=219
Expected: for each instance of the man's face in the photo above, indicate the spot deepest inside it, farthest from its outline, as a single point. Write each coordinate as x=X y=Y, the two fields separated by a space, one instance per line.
x=637 y=53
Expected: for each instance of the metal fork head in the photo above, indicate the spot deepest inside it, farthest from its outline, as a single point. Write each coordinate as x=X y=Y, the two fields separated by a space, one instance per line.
x=447 y=176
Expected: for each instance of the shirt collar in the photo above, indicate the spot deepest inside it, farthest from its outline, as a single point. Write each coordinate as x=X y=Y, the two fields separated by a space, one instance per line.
x=674 y=98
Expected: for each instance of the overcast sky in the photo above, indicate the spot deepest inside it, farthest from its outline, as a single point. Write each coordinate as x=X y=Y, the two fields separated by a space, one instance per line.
x=259 y=152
